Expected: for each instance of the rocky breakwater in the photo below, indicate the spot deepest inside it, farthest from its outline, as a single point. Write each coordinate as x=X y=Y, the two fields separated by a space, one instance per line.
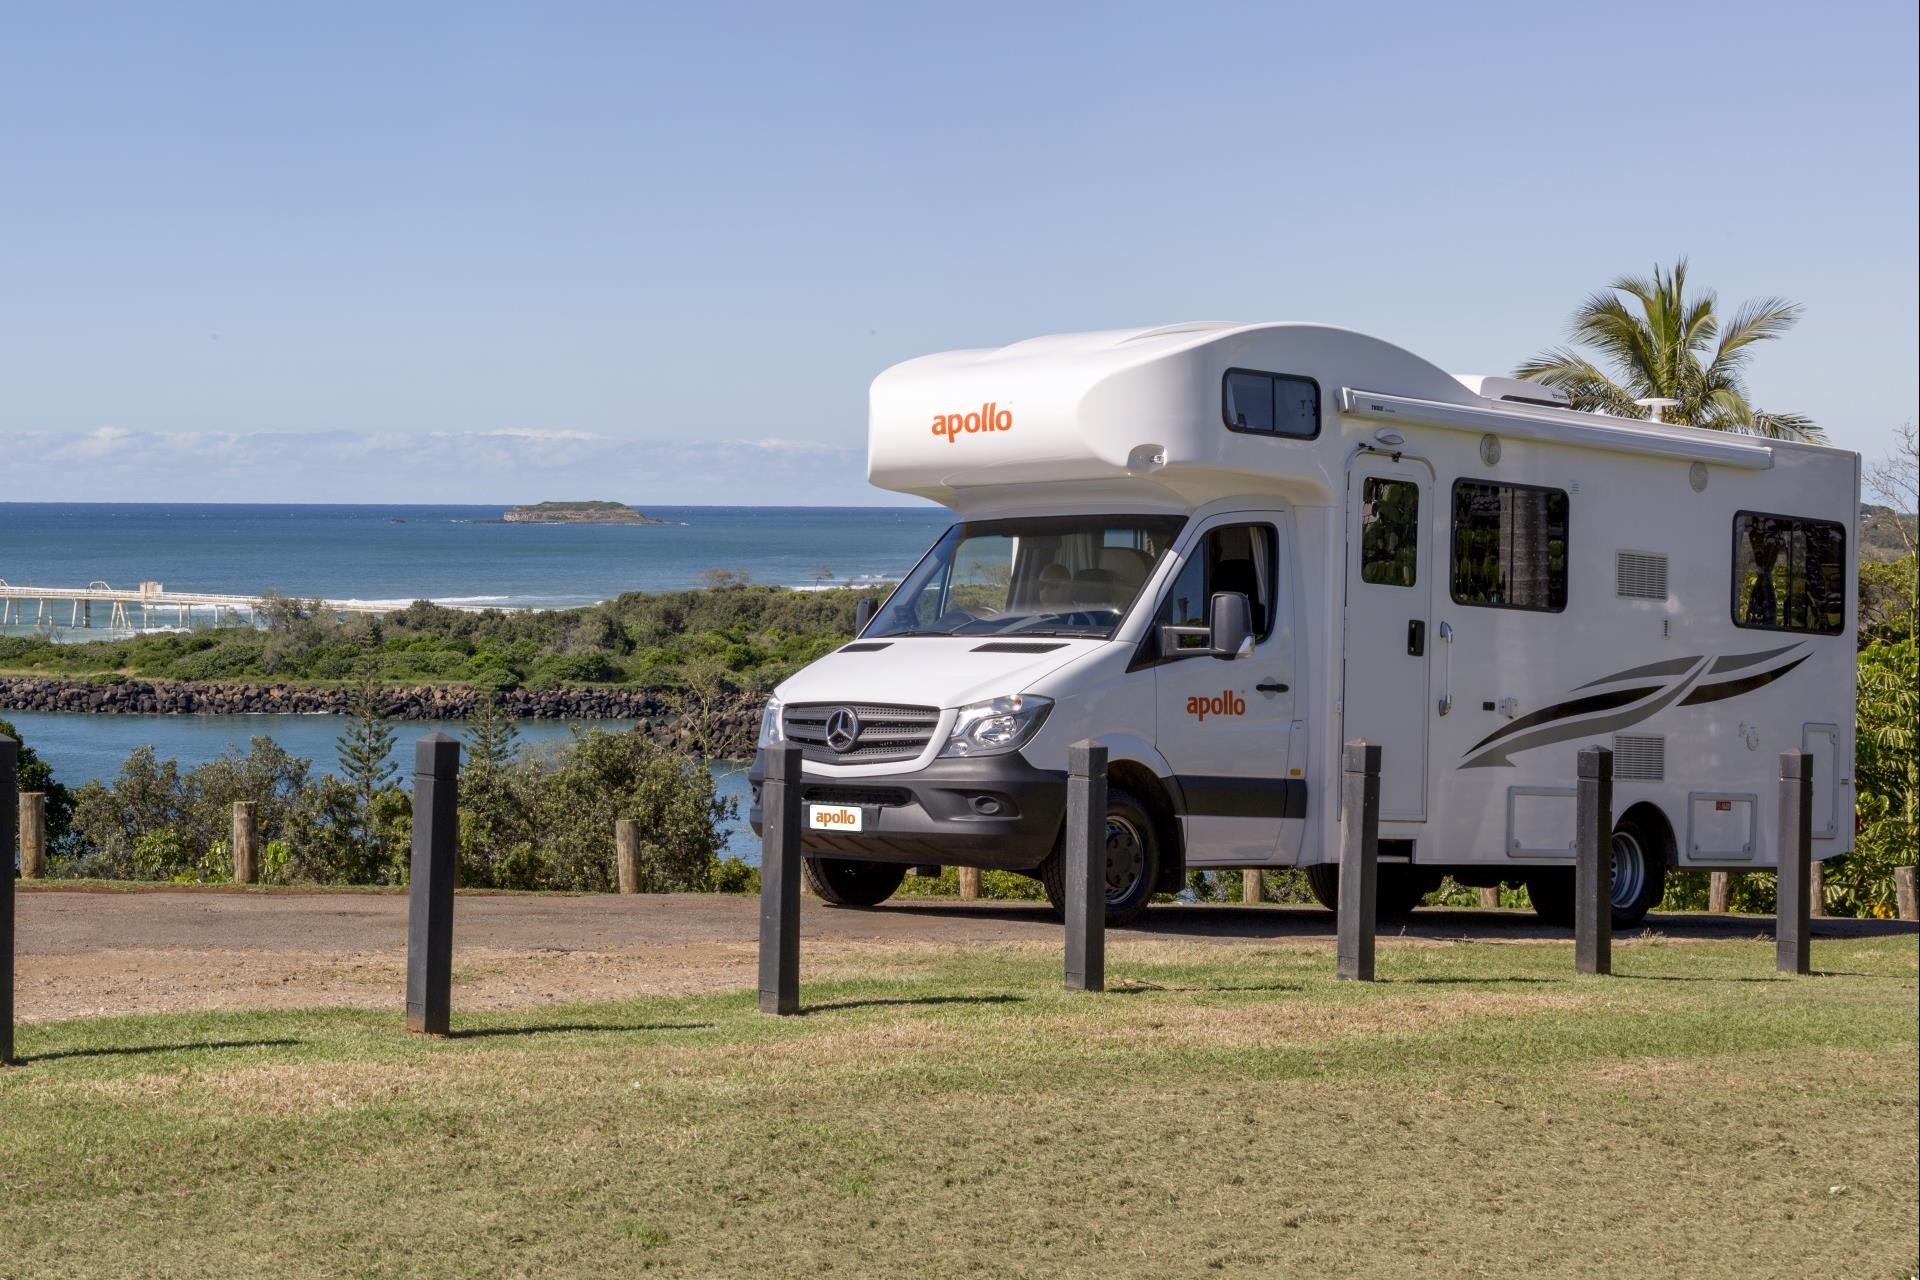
x=728 y=724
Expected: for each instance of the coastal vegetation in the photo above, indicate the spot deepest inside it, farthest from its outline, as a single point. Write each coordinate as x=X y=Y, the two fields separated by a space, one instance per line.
x=736 y=637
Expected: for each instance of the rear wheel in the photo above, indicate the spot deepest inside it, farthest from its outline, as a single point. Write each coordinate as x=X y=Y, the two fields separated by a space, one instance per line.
x=1639 y=878
x=1133 y=861
x=852 y=882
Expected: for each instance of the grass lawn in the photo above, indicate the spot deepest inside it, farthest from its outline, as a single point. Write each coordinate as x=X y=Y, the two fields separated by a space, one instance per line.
x=1225 y=1111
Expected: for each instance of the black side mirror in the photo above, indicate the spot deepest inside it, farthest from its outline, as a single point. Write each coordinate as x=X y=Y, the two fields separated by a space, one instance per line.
x=1230 y=625
x=863 y=613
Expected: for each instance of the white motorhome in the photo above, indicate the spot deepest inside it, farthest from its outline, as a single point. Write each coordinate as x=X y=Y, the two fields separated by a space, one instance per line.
x=1223 y=550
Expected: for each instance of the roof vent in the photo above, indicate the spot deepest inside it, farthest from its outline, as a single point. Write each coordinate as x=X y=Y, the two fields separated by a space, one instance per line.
x=1639 y=757
x=1515 y=390
x=1640 y=575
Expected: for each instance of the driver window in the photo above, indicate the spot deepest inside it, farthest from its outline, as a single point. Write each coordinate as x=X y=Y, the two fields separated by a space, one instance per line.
x=1235 y=557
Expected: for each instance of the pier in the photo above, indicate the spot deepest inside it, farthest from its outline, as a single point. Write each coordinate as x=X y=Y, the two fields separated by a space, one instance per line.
x=151 y=599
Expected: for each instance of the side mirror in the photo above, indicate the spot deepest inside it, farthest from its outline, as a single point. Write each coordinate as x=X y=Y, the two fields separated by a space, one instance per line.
x=863 y=612
x=1230 y=625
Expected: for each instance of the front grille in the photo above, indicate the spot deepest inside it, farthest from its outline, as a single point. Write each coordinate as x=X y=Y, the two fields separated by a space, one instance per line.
x=879 y=797
x=886 y=732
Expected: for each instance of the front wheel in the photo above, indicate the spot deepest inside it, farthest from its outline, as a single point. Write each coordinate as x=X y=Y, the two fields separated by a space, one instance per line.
x=852 y=882
x=1397 y=887
x=1133 y=861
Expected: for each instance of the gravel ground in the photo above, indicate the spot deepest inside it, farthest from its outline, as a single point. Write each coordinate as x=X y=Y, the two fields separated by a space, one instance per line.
x=83 y=953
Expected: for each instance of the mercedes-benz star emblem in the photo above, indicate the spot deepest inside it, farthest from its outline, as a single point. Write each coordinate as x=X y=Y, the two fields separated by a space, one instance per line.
x=843 y=730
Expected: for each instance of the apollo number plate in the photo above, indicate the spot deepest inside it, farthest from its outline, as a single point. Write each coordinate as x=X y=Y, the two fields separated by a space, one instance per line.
x=833 y=817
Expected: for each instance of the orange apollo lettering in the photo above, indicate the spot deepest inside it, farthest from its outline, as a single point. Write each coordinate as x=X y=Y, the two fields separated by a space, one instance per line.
x=988 y=417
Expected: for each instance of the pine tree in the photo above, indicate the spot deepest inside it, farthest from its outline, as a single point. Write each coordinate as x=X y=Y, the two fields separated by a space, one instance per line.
x=492 y=739
x=366 y=749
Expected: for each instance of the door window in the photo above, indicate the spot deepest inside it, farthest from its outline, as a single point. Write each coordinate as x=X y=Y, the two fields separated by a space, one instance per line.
x=1389 y=532
x=1235 y=557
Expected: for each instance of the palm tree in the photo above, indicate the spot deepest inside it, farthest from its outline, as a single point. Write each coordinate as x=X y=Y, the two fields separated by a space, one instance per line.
x=1663 y=343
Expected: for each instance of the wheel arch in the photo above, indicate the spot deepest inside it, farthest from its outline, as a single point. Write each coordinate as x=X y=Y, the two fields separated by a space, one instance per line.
x=1649 y=817
x=1152 y=791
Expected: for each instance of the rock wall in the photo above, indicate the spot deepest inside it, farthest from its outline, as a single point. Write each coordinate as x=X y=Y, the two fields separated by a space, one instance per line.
x=732 y=725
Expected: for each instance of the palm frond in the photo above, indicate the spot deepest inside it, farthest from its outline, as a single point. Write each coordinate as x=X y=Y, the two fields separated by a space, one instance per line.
x=1757 y=320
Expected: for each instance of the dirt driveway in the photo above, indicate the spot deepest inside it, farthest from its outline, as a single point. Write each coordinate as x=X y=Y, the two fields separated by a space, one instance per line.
x=83 y=953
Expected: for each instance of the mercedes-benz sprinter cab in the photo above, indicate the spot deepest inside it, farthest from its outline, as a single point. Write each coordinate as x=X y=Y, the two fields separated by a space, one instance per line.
x=1221 y=550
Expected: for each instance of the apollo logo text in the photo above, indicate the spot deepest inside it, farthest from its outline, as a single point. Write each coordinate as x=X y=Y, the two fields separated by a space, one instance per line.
x=988 y=417
x=1224 y=703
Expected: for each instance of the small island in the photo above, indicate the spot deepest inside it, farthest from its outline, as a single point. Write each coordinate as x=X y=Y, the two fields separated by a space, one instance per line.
x=579 y=513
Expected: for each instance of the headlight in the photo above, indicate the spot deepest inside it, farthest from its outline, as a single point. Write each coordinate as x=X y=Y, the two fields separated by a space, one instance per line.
x=996 y=727
x=770 y=735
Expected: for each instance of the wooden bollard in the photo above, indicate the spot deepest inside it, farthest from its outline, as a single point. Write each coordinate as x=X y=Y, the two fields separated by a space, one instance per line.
x=626 y=852
x=1490 y=898
x=1907 y=903
x=1253 y=886
x=780 y=882
x=1817 y=890
x=436 y=821
x=1356 y=913
x=33 y=835
x=1792 y=938
x=1085 y=852
x=969 y=883
x=1593 y=861
x=1719 y=892
x=246 y=848
x=9 y=824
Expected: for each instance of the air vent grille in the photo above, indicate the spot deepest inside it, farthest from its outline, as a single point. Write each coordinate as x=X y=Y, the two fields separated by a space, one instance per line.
x=1640 y=757
x=865 y=646
x=1017 y=646
x=884 y=732
x=1640 y=575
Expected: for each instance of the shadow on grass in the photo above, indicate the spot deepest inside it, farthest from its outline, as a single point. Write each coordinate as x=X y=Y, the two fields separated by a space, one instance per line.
x=1473 y=982
x=156 y=1048
x=1128 y=987
x=560 y=1028
x=835 y=1006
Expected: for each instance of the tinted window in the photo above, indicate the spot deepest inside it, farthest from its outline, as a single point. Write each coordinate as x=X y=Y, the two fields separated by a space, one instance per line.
x=1509 y=545
x=1390 y=532
x=1270 y=404
x=1789 y=573
x=1238 y=557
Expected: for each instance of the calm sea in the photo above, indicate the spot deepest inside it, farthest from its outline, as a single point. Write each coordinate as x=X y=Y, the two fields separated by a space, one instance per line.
x=401 y=554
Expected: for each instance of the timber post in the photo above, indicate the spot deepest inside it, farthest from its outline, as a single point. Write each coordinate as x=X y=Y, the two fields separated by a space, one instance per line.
x=780 y=882
x=33 y=835
x=1359 y=861
x=626 y=852
x=1593 y=862
x=245 y=846
x=436 y=820
x=1085 y=852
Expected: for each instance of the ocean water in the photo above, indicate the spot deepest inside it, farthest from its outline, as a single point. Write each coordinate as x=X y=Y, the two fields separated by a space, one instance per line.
x=84 y=748
x=402 y=554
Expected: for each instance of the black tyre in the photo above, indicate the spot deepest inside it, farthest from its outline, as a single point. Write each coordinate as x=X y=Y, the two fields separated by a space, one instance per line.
x=1396 y=892
x=1639 y=878
x=851 y=882
x=1133 y=860
x=1324 y=880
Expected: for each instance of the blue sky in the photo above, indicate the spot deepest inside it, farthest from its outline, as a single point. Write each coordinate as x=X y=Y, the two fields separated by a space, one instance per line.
x=503 y=252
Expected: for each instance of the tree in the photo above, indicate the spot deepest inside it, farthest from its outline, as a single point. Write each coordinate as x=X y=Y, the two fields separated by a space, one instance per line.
x=1895 y=480
x=34 y=774
x=492 y=739
x=1662 y=342
x=365 y=747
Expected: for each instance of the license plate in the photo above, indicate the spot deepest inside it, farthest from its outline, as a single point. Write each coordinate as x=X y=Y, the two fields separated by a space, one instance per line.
x=833 y=817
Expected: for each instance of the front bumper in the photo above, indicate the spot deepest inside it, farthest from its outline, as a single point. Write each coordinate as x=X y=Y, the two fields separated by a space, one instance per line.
x=987 y=811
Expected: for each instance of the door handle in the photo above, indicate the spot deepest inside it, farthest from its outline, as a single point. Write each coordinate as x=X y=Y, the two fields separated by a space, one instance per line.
x=1271 y=686
x=1416 y=638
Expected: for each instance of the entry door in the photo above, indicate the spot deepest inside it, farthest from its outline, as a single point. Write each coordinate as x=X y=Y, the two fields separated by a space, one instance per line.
x=1225 y=724
x=1385 y=699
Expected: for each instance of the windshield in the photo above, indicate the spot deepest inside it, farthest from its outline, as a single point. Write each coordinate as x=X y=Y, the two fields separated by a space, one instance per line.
x=1036 y=576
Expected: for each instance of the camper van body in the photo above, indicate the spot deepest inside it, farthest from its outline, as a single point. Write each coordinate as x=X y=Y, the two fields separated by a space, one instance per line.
x=1455 y=568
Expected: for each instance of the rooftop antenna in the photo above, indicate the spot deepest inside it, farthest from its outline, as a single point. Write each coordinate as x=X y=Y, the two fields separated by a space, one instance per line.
x=1656 y=407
